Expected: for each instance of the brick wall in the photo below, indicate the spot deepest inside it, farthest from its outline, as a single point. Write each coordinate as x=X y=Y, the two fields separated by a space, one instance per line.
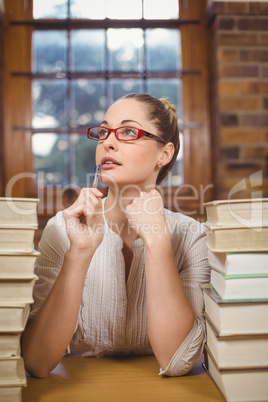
x=239 y=96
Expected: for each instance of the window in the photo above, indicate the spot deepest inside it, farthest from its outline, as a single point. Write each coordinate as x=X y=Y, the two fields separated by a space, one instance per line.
x=72 y=59
x=79 y=72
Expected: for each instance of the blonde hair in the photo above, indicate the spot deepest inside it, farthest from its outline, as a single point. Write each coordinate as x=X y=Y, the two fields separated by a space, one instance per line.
x=163 y=114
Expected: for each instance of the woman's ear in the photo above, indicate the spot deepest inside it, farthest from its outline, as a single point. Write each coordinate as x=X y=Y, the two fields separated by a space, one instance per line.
x=166 y=155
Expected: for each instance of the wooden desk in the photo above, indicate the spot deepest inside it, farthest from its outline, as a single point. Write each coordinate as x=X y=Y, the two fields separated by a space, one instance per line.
x=119 y=380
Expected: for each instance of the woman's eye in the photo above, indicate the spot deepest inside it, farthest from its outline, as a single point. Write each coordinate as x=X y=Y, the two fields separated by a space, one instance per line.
x=129 y=132
x=102 y=133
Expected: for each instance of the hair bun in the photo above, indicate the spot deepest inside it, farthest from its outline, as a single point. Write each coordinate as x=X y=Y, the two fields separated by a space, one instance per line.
x=169 y=106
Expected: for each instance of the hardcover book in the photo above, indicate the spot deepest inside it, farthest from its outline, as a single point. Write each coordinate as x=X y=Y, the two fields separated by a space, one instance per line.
x=235 y=318
x=9 y=344
x=239 y=212
x=13 y=316
x=17 y=290
x=237 y=239
x=16 y=265
x=237 y=351
x=10 y=390
x=238 y=287
x=19 y=239
x=11 y=368
x=247 y=385
x=18 y=211
x=247 y=263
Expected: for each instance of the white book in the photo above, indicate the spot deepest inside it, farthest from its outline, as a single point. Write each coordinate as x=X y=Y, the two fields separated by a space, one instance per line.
x=17 y=290
x=237 y=351
x=18 y=211
x=10 y=390
x=11 y=369
x=237 y=239
x=18 y=239
x=234 y=287
x=17 y=265
x=239 y=263
x=13 y=317
x=238 y=212
x=248 y=385
x=235 y=317
x=10 y=344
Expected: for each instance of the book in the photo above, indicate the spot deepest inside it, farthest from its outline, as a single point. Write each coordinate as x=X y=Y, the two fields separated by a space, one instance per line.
x=13 y=316
x=238 y=212
x=10 y=368
x=251 y=263
x=235 y=318
x=18 y=223
x=17 y=265
x=19 y=239
x=18 y=211
x=10 y=390
x=237 y=351
x=17 y=290
x=9 y=344
x=247 y=385
x=236 y=239
x=237 y=287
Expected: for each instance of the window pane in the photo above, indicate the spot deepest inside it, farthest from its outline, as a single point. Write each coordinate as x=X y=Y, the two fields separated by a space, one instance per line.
x=50 y=9
x=88 y=102
x=62 y=159
x=118 y=88
x=163 y=49
x=161 y=9
x=49 y=103
x=88 y=9
x=84 y=161
x=49 y=51
x=166 y=88
x=88 y=50
x=122 y=9
x=125 y=49
x=50 y=153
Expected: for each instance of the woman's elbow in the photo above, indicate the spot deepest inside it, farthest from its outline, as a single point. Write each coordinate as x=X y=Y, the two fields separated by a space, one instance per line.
x=36 y=369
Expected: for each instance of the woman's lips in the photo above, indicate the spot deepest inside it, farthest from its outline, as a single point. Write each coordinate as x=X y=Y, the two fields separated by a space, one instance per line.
x=109 y=163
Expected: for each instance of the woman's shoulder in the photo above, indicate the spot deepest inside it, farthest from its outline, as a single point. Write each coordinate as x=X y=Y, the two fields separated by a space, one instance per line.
x=55 y=230
x=57 y=220
x=179 y=217
x=183 y=224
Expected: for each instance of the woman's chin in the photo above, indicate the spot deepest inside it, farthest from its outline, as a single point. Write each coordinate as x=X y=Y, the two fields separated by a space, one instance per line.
x=108 y=180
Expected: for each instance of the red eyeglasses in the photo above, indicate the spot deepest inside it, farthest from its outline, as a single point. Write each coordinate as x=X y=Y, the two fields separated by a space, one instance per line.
x=121 y=133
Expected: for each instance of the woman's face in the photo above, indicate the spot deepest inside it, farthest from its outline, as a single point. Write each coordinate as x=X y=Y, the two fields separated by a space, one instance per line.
x=133 y=162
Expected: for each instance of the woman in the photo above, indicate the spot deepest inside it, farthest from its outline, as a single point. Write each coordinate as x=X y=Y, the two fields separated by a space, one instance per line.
x=121 y=276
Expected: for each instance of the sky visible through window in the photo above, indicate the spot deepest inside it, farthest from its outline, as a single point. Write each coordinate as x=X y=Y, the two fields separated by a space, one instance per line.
x=114 y=9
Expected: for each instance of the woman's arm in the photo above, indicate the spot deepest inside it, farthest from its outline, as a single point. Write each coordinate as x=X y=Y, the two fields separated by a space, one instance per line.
x=48 y=334
x=170 y=315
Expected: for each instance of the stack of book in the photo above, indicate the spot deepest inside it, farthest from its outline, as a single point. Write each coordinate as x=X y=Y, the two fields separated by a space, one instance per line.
x=236 y=300
x=18 y=222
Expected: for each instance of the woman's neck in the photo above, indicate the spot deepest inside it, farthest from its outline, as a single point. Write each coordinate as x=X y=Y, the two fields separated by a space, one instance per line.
x=114 y=210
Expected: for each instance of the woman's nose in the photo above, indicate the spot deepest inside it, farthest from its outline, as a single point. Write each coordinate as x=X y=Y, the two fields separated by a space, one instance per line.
x=111 y=141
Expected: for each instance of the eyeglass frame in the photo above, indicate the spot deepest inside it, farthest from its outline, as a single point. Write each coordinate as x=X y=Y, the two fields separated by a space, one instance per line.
x=141 y=133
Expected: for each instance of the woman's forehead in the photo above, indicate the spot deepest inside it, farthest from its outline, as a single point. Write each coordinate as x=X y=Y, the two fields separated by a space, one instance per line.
x=127 y=109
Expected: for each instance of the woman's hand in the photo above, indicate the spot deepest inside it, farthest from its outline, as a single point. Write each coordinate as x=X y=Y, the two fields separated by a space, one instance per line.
x=84 y=220
x=146 y=215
